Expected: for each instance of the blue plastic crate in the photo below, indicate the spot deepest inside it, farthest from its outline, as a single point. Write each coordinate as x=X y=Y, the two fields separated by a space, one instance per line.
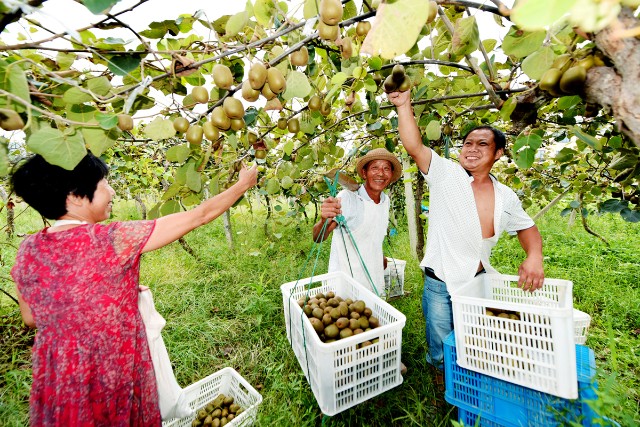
x=506 y=404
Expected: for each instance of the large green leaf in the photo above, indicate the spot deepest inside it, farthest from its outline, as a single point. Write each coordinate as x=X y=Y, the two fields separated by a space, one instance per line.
x=60 y=149
x=169 y=207
x=263 y=10
x=14 y=81
x=81 y=113
x=591 y=140
x=525 y=148
x=538 y=62
x=297 y=86
x=466 y=36
x=310 y=8
x=521 y=43
x=178 y=153
x=236 y=23
x=194 y=182
x=99 y=7
x=629 y=215
x=99 y=140
x=433 y=130
x=121 y=65
x=537 y=14
x=99 y=85
x=4 y=160
x=396 y=28
x=159 y=129
x=75 y=95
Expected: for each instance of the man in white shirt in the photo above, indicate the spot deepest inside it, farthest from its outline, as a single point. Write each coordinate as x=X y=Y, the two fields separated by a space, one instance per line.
x=366 y=214
x=468 y=211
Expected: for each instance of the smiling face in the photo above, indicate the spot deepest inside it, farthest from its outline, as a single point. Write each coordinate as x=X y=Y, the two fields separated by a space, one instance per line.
x=377 y=176
x=99 y=208
x=479 y=151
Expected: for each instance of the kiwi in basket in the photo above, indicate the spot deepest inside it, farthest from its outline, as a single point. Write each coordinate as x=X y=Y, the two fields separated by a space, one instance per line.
x=334 y=318
x=218 y=412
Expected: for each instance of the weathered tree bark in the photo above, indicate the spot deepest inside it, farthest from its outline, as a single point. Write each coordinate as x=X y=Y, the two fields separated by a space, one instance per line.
x=226 y=219
x=10 y=217
x=187 y=248
x=617 y=88
x=143 y=208
x=410 y=203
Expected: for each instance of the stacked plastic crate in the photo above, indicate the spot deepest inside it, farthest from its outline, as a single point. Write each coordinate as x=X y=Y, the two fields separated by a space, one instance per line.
x=512 y=359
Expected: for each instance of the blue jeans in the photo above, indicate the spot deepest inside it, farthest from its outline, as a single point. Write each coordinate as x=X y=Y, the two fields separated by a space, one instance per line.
x=436 y=306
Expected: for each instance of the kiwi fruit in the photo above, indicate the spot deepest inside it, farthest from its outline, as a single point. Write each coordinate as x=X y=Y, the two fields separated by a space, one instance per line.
x=248 y=93
x=125 y=122
x=330 y=11
x=314 y=103
x=433 y=11
x=233 y=107
x=220 y=119
x=267 y=92
x=363 y=28
x=276 y=80
x=194 y=134
x=328 y=32
x=257 y=75
x=300 y=57
x=222 y=76
x=237 y=124
x=572 y=80
x=282 y=123
x=180 y=124
x=10 y=120
x=210 y=131
x=262 y=154
x=293 y=125
x=550 y=79
x=200 y=94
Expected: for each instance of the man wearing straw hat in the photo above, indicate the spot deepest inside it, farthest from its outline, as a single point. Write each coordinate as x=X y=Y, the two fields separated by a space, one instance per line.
x=469 y=210
x=366 y=213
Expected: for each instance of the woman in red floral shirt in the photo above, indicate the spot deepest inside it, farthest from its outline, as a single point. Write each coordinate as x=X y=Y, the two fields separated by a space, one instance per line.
x=77 y=283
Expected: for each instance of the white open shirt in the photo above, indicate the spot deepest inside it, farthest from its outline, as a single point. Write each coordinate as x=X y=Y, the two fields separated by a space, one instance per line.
x=455 y=246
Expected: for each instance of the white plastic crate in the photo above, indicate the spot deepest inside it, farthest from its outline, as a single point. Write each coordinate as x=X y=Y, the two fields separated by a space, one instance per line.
x=340 y=374
x=536 y=350
x=228 y=382
x=394 y=278
x=581 y=322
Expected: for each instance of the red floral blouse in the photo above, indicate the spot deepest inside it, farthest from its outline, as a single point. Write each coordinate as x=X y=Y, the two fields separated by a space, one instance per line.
x=91 y=361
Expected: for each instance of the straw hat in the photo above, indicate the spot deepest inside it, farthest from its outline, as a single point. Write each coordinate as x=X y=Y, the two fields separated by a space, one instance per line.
x=380 y=154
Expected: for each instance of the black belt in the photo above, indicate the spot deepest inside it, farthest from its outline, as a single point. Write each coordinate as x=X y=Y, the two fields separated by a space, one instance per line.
x=428 y=271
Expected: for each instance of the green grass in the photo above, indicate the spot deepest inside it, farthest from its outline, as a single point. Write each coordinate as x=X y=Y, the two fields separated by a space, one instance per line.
x=225 y=309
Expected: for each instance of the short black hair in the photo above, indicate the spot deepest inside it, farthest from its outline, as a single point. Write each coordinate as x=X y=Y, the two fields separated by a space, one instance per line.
x=45 y=187
x=498 y=136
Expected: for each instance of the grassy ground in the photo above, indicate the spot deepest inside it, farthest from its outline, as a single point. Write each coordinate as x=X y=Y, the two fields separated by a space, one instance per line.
x=224 y=308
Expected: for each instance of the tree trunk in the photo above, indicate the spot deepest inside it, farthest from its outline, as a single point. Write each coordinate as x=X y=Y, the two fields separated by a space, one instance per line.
x=617 y=88
x=226 y=218
x=143 y=208
x=10 y=216
x=410 y=202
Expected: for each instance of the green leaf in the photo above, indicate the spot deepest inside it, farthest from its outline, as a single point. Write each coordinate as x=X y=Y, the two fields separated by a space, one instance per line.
x=121 y=65
x=538 y=62
x=178 y=153
x=396 y=28
x=525 y=148
x=169 y=207
x=629 y=215
x=310 y=9
x=466 y=36
x=172 y=191
x=106 y=120
x=521 y=43
x=507 y=108
x=433 y=130
x=81 y=112
x=538 y=14
x=99 y=85
x=297 y=86
x=75 y=95
x=568 y=102
x=159 y=129
x=288 y=147
x=263 y=10
x=524 y=158
x=4 y=160
x=623 y=161
x=57 y=148
x=339 y=78
x=99 y=7
x=194 y=182
x=14 y=81
x=99 y=140
x=349 y=10
x=236 y=23
x=590 y=140
x=157 y=30
x=613 y=205
x=565 y=155
x=65 y=60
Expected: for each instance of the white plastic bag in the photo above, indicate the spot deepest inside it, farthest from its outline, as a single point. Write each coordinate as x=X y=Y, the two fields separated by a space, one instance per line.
x=173 y=403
